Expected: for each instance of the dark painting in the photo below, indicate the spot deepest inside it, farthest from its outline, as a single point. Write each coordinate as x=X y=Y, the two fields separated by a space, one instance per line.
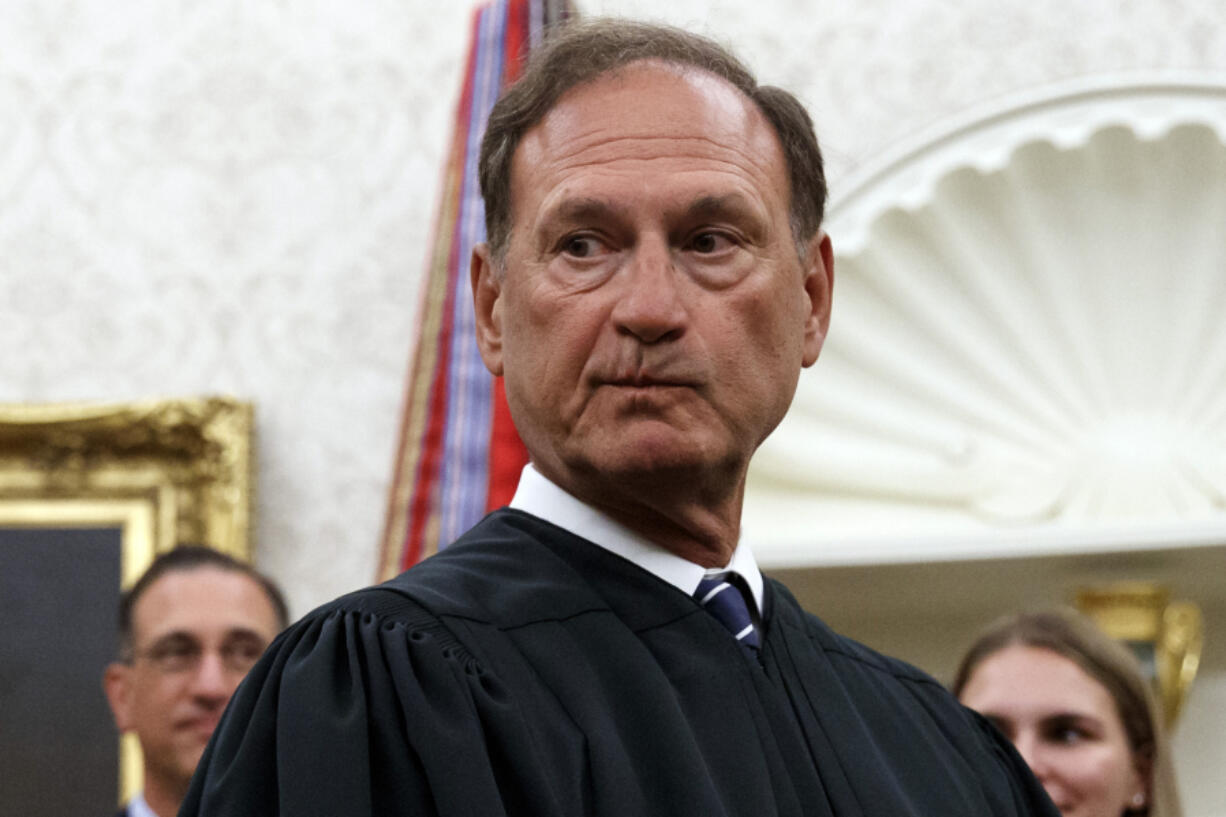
x=59 y=751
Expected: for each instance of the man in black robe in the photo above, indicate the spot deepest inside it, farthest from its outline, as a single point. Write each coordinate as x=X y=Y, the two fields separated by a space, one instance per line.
x=655 y=278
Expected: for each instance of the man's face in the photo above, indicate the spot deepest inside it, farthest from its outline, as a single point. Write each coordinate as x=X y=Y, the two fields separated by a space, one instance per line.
x=653 y=314
x=195 y=633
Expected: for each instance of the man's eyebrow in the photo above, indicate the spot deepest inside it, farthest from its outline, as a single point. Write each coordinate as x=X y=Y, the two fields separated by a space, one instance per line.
x=175 y=639
x=730 y=204
x=232 y=634
x=588 y=207
x=174 y=635
x=737 y=208
x=582 y=209
x=244 y=634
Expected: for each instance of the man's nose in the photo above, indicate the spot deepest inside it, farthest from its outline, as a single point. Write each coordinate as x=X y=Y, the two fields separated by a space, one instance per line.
x=213 y=680
x=650 y=306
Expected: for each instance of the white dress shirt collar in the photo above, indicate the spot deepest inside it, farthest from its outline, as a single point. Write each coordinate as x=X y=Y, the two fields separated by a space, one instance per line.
x=137 y=807
x=540 y=497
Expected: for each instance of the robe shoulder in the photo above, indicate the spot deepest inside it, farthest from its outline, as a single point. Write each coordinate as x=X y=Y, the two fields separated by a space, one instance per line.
x=372 y=705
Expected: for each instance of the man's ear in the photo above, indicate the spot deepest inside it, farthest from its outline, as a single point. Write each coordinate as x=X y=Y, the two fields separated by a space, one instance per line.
x=819 y=287
x=487 y=304
x=117 y=684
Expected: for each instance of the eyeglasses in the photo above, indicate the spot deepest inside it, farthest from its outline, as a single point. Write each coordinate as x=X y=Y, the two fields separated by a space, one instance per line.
x=179 y=654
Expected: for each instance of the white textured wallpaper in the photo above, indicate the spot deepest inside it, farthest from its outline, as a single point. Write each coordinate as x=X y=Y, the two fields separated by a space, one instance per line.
x=234 y=196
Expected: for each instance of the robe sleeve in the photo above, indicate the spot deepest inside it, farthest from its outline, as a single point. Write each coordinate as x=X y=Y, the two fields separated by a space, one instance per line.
x=364 y=710
x=1028 y=795
x=1004 y=779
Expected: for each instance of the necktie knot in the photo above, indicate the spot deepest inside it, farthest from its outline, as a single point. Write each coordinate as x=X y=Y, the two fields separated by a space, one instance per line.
x=723 y=597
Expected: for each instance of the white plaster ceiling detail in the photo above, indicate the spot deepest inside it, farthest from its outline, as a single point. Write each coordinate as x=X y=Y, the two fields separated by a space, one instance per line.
x=1026 y=338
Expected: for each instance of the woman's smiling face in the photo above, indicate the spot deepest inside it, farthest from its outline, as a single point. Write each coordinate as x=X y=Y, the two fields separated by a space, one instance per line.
x=1066 y=726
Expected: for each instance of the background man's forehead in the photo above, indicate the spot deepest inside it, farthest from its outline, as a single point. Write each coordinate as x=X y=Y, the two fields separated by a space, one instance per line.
x=182 y=589
x=202 y=573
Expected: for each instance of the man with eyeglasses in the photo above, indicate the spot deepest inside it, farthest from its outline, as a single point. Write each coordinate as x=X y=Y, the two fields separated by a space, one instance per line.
x=190 y=629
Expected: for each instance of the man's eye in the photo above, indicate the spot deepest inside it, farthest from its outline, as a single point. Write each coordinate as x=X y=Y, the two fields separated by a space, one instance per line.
x=709 y=242
x=173 y=651
x=242 y=654
x=174 y=655
x=581 y=246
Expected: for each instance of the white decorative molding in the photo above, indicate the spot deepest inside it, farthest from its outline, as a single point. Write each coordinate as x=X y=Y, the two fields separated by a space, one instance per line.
x=1026 y=353
x=984 y=137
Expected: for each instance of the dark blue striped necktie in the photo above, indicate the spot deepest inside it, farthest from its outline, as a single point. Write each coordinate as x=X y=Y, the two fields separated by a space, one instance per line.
x=723 y=598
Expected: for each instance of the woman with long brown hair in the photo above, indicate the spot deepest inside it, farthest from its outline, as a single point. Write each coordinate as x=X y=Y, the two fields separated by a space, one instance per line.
x=1079 y=711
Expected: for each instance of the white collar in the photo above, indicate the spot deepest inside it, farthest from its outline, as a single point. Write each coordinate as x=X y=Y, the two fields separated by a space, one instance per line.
x=137 y=807
x=539 y=496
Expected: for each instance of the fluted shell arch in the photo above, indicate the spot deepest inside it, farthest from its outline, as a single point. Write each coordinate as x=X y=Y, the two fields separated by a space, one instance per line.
x=1028 y=344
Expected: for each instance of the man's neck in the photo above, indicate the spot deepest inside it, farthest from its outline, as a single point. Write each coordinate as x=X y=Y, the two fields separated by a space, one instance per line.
x=163 y=796
x=700 y=526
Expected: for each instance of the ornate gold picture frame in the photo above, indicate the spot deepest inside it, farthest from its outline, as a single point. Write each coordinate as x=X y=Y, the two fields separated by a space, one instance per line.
x=161 y=472
x=1165 y=635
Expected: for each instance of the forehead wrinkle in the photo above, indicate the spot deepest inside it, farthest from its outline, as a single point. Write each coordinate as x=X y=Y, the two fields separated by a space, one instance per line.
x=582 y=207
x=751 y=175
x=565 y=205
x=730 y=135
x=737 y=181
x=565 y=158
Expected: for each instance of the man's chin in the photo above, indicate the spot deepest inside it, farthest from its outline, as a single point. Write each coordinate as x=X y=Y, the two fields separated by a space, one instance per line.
x=190 y=751
x=654 y=464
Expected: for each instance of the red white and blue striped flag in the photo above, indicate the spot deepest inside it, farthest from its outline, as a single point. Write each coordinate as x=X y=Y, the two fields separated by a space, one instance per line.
x=459 y=455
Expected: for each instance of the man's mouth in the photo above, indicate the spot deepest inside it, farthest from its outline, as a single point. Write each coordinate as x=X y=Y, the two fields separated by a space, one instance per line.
x=202 y=724
x=649 y=381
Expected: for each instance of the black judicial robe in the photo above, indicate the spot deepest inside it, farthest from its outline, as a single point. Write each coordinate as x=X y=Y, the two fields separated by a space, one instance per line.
x=527 y=671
